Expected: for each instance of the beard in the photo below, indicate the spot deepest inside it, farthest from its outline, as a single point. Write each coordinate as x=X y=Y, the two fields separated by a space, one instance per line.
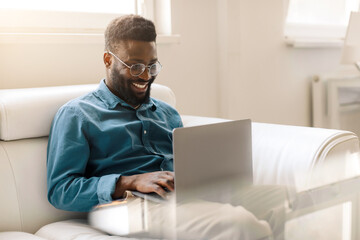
x=123 y=88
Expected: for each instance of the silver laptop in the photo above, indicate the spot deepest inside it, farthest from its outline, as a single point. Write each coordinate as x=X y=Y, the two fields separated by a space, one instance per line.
x=212 y=162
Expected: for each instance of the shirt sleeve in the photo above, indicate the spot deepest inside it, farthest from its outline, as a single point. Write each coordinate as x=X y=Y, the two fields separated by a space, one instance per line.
x=175 y=116
x=67 y=158
x=180 y=123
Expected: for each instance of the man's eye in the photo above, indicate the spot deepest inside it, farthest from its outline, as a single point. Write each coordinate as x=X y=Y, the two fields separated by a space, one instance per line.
x=137 y=67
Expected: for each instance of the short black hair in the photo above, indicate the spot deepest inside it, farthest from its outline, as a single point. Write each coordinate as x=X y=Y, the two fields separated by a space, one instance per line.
x=129 y=27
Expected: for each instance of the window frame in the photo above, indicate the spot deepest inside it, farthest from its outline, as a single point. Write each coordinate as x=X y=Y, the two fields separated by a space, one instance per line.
x=56 y=22
x=159 y=11
x=31 y=21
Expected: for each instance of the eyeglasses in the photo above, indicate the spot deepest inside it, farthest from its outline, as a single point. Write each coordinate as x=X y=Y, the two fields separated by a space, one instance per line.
x=138 y=68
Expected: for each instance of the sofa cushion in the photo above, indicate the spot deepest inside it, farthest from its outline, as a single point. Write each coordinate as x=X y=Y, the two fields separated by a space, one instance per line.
x=76 y=229
x=28 y=113
x=19 y=236
x=24 y=206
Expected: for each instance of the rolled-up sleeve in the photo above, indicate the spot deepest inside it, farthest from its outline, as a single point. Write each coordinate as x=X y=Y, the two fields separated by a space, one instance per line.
x=67 y=159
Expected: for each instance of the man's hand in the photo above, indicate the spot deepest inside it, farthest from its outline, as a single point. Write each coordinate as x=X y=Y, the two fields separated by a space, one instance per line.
x=146 y=183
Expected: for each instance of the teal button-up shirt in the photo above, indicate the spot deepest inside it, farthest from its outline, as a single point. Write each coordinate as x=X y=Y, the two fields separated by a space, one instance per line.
x=96 y=138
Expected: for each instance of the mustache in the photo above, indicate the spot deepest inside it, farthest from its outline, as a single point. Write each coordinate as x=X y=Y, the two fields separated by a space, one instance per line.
x=150 y=81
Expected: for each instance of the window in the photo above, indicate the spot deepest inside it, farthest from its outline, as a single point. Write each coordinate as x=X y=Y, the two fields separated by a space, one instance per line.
x=318 y=18
x=106 y=6
x=73 y=16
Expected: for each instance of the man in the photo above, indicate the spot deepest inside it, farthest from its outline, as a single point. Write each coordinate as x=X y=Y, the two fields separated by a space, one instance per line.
x=117 y=138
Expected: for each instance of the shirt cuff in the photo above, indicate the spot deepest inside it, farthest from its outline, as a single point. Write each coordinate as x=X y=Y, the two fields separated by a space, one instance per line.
x=106 y=187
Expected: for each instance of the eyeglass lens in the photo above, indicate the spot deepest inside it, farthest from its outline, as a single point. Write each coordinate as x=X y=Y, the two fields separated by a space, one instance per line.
x=138 y=69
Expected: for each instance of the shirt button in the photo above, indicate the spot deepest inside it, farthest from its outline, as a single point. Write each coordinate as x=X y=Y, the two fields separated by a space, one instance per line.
x=145 y=131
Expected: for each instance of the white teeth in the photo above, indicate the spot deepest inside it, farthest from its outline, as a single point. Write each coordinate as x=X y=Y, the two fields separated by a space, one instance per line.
x=139 y=85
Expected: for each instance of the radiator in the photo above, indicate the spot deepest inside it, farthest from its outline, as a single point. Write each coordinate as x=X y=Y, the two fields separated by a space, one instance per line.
x=336 y=101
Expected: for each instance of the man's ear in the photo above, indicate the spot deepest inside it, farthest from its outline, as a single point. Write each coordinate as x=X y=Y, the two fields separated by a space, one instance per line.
x=107 y=59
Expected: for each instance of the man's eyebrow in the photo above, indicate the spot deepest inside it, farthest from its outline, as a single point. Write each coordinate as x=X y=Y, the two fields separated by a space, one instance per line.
x=141 y=60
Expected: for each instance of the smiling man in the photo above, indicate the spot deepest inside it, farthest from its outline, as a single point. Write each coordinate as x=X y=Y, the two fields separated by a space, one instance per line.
x=118 y=138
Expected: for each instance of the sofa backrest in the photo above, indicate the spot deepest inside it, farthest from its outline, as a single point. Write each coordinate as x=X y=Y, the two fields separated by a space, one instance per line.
x=28 y=112
x=25 y=120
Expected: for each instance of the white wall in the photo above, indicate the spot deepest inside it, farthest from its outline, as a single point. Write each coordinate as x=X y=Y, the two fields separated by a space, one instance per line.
x=261 y=77
x=190 y=67
x=231 y=61
x=37 y=62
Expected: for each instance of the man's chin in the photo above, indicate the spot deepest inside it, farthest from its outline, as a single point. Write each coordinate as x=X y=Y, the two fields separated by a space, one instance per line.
x=144 y=100
x=140 y=100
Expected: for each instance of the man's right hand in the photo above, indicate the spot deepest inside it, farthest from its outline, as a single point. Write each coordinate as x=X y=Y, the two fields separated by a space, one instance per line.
x=146 y=183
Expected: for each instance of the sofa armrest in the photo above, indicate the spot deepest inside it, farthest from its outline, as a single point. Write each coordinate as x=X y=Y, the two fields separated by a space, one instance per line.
x=303 y=157
x=300 y=157
x=189 y=120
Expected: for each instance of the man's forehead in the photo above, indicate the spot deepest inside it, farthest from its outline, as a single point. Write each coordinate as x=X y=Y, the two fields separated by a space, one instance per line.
x=134 y=48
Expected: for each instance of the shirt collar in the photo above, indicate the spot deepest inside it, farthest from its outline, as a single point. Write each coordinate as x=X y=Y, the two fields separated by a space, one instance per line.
x=111 y=100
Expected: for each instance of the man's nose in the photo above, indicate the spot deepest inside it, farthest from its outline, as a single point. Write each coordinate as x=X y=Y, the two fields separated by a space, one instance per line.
x=145 y=75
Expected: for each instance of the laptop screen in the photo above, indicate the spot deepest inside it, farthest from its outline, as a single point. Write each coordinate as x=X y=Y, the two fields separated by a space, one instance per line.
x=215 y=156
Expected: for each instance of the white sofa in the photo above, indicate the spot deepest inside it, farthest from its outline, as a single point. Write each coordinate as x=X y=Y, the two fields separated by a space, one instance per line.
x=301 y=157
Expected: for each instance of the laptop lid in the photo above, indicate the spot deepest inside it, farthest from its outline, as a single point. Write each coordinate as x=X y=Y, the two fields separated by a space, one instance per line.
x=212 y=161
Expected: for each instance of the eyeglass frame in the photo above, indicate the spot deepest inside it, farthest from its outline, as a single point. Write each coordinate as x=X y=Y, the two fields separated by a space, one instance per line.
x=134 y=75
